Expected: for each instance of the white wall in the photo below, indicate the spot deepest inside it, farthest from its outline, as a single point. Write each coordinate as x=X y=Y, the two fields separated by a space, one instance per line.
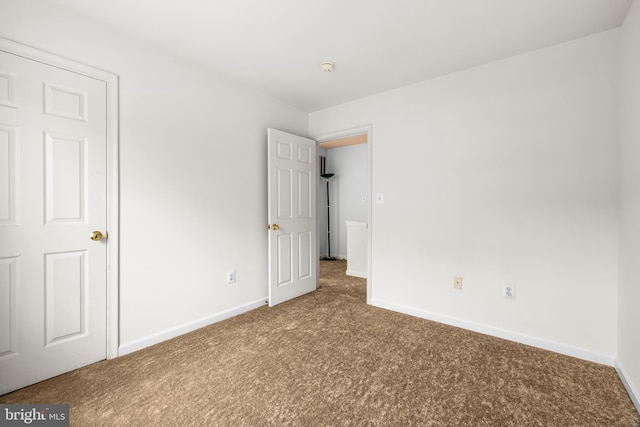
x=347 y=189
x=629 y=290
x=192 y=174
x=504 y=173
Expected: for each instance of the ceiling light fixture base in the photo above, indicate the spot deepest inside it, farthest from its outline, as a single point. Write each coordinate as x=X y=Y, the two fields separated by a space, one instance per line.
x=327 y=66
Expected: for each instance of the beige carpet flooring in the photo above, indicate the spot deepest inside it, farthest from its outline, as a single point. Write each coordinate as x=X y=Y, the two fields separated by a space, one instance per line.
x=328 y=359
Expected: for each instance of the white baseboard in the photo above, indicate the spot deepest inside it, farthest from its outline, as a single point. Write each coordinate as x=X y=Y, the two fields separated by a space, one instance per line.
x=360 y=274
x=500 y=333
x=631 y=390
x=158 y=337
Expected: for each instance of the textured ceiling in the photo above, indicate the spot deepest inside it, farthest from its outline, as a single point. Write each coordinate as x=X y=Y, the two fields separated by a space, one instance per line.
x=276 y=46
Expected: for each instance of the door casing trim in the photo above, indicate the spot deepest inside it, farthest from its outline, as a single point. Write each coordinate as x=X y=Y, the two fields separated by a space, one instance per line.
x=112 y=83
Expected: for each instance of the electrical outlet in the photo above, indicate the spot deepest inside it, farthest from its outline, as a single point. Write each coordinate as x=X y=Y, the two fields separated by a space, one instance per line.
x=231 y=276
x=509 y=291
x=457 y=282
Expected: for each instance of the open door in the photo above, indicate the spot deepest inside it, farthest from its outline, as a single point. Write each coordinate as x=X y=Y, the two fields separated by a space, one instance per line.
x=293 y=249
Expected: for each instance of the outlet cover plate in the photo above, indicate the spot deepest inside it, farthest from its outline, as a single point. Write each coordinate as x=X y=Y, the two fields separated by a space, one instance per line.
x=509 y=291
x=231 y=276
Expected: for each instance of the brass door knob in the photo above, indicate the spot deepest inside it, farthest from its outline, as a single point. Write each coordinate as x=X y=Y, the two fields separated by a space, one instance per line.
x=96 y=236
x=275 y=227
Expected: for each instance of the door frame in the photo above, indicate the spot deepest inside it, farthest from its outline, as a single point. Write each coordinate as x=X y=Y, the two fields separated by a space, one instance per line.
x=360 y=130
x=111 y=81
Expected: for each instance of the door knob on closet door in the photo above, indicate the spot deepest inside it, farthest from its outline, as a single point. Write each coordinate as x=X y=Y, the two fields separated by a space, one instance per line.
x=96 y=236
x=275 y=227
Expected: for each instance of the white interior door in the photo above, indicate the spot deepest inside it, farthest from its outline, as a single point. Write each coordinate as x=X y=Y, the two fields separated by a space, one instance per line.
x=53 y=194
x=293 y=247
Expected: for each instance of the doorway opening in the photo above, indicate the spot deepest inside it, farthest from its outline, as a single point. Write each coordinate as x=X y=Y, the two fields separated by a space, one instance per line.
x=348 y=156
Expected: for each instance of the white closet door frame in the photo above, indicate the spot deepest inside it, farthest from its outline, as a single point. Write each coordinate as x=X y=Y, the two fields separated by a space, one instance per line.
x=111 y=81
